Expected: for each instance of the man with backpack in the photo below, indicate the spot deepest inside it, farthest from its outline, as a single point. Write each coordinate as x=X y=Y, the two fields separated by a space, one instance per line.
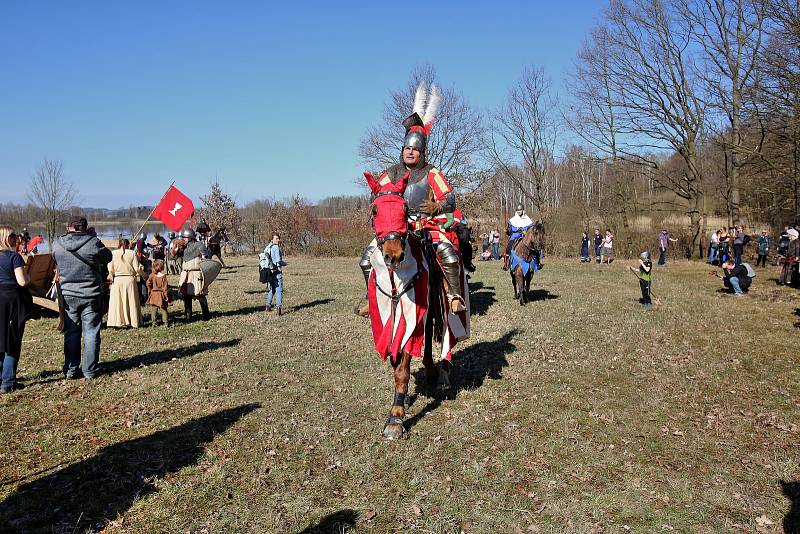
x=271 y=260
x=738 y=277
x=80 y=257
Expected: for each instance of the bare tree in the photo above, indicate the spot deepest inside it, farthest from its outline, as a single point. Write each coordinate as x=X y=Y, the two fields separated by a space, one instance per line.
x=523 y=139
x=730 y=32
x=221 y=213
x=53 y=193
x=455 y=141
x=647 y=72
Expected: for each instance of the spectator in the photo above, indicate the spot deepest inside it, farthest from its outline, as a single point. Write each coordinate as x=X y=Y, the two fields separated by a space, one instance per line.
x=783 y=244
x=495 y=244
x=484 y=242
x=663 y=245
x=124 y=271
x=15 y=305
x=724 y=251
x=740 y=240
x=791 y=259
x=598 y=244
x=79 y=257
x=737 y=277
x=713 y=248
x=607 y=250
x=763 y=249
x=585 y=248
x=272 y=259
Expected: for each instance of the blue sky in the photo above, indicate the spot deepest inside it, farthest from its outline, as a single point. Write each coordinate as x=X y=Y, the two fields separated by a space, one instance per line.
x=271 y=99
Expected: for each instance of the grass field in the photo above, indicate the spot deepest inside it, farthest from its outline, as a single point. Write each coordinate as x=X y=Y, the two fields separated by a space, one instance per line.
x=580 y=412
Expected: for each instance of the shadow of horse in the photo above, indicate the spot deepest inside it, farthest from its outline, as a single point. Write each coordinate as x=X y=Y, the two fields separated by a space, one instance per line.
x=335 y=523
x=481 y=298
x=89 y=493
x=471 y=368
x=791 y=521
x=146 y=359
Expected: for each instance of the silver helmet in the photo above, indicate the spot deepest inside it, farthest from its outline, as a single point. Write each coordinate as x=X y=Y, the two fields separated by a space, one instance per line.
x=520 y=207
x=188 y=233
x=644 y=256
x=415 y=140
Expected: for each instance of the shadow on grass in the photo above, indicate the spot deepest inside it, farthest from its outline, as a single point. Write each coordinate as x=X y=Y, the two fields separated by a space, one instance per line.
x=89 y=493
x=335 y=523
x=161 y=356
x=310 y=304
x=471 y=368
x=146 y=359
x=481 y=298
x=241 y=311
x=540 y=294
x=791 y=521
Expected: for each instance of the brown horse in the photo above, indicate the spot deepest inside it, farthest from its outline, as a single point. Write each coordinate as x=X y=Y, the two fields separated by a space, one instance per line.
x=527 y=249
x=401 y=282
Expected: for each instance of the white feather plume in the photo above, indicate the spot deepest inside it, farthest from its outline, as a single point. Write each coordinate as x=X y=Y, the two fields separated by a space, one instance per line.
x=419 y=100
x=433 y=105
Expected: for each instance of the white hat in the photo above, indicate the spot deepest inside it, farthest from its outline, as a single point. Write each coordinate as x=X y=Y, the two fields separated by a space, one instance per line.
x=792 y=232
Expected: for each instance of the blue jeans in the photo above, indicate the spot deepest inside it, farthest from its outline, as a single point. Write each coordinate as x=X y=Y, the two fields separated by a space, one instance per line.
x=275 y=290
x=662 y=257
x=496 y=251
x=734 y=282
x=712 y=253
x=82 y=315
x=9 y=373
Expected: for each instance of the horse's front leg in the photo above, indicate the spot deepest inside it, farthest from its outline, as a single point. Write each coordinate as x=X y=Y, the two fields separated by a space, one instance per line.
x=520 y=283
x=514 y=283
x=394 y=428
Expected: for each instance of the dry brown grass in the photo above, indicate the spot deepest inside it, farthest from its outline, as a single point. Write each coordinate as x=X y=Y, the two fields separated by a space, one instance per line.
x=580 y=412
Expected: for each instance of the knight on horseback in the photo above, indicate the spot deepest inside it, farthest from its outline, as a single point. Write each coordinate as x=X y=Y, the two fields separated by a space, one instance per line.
x=430 y=198
x=517 y=225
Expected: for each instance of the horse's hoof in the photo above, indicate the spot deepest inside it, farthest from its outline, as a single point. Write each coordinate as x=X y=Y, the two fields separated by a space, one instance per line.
x=394 y=428
x=444 y=380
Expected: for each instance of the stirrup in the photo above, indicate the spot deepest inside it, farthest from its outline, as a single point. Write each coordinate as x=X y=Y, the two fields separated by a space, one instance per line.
x=456 y=303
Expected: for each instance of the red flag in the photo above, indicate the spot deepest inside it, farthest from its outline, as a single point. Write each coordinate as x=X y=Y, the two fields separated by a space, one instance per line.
x=174 y=209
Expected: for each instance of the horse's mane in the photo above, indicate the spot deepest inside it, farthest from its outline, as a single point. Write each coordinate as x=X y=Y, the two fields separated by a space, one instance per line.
x=531 y=240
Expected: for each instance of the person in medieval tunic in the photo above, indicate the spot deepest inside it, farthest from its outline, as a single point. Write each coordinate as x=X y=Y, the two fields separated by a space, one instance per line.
x=176 y=247
x=124 y=271
x=191 y=283
x=427 y=195
x=516 y=226
x=158 y=294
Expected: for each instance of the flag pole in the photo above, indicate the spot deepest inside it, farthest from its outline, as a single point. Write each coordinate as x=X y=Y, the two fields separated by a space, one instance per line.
x=154 y=209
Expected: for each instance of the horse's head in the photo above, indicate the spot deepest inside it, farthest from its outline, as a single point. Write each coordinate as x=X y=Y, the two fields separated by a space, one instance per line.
x=534 y=238
x=390 y=218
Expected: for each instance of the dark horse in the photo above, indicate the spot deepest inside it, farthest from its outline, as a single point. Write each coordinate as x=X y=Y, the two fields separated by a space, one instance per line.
x=528 y=250
x=405 y=274
x=214 y=244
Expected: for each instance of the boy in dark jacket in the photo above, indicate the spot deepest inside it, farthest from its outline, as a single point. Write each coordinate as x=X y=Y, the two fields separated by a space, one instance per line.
x=81 y=257
x=645 y=278
x=736 y=277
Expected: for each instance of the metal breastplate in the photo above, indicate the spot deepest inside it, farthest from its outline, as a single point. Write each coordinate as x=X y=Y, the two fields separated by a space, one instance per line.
x=417 y=190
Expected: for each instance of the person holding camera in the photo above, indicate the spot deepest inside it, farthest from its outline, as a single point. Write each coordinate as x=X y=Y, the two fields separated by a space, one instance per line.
x=271 y=265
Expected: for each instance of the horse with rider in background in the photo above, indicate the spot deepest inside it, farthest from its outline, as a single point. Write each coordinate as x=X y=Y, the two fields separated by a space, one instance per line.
x=215 y=242
x=526 y=260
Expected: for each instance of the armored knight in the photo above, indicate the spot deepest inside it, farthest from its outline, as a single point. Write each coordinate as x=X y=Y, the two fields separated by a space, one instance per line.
x=517 y=224
x=427 y=195
x=192 y=284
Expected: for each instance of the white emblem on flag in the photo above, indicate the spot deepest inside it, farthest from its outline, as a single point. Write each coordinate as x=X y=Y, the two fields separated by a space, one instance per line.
x=174 y=210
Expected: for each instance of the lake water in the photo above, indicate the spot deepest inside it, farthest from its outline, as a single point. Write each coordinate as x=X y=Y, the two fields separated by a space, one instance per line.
x=108 y=231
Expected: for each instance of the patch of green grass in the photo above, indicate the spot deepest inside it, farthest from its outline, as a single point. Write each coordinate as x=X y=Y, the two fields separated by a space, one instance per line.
x=579 y=412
